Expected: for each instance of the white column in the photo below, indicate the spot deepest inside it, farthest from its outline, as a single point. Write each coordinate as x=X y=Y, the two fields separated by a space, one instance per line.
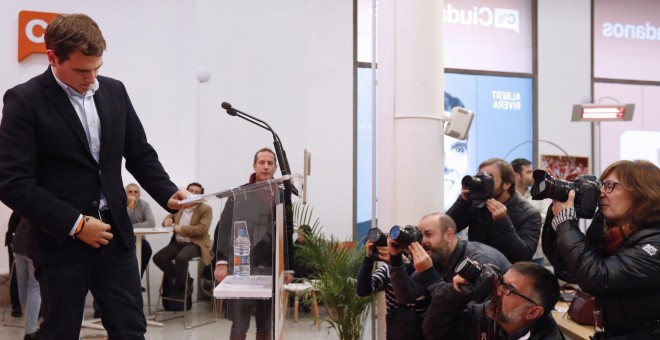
x=410 y=109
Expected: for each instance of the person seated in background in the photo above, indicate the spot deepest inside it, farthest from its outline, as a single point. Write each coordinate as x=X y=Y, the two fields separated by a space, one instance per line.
x=519 y=308
x=506 y=221
x=141 y=217
x=618 y=260
x=402 y=321
x=190 y=239
x=435 y=257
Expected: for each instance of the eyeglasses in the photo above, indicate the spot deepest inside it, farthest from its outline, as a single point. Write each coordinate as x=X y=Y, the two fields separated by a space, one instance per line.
x=508 y=289
x=608 y=186
x=133 y=191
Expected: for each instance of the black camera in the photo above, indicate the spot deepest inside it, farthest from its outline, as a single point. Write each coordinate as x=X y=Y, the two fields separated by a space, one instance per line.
x=587 y=191
x=481 y=186
x=405 y=236
x=483 y=279
x=379 y=239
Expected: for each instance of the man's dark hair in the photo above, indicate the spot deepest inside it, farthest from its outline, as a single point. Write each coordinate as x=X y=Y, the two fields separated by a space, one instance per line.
x=195 y=184
x=518 y=163
x=74 y=32
x=264 y=150
x=506 y=172
x=544 y=283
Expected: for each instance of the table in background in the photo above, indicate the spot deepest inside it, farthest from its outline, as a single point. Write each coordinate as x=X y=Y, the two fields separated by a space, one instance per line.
x=139 y=232
x=569 y=327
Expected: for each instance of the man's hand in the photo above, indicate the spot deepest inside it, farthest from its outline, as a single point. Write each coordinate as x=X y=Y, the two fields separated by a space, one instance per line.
x=176 y=229
x=392 y=247
x=557 y=206
x=173 y=202
x=95 y=233
x=464 y=194
x=220 y=272
x=458 y=282
x=496 y=208
x=421 y=258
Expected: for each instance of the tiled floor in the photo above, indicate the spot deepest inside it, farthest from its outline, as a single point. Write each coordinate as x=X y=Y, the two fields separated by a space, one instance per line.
x=173 y=329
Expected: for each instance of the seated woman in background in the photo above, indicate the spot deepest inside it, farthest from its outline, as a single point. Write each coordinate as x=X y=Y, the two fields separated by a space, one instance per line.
x=619 y=260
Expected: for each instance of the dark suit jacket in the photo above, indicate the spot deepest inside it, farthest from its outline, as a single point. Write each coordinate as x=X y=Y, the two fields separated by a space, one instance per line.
x=48 y=174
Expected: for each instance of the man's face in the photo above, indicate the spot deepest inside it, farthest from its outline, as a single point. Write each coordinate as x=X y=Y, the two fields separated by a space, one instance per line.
x=264 y=167
x=494 y=171
x=511 y=309
x=434 y=241
x=133 y=191
x=195 y=190
x=456 y=165
x=525 y=176
x=78 y=72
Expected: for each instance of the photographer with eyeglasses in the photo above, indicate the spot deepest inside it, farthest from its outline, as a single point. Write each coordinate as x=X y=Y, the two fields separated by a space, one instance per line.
x=618 y=260
x=518 y=308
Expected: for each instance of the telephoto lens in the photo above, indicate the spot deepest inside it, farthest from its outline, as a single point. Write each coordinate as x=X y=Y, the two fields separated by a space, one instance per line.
x=405 y=236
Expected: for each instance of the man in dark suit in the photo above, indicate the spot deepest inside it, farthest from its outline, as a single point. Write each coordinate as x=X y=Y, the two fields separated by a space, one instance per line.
x=62 y=139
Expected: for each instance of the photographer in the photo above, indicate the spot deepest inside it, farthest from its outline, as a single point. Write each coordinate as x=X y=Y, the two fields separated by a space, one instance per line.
x=403 y=321
x=506 y=222
x=618 y=260
x=435 y=256
x=519 y=308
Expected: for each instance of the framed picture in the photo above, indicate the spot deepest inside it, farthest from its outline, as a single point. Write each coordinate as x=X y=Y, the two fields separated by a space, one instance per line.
x=564 y=167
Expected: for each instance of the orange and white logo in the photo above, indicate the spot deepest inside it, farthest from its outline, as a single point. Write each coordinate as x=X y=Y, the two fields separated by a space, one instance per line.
x=31 y=30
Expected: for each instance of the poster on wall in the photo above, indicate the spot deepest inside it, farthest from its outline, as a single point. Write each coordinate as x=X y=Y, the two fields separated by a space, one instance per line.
x=503 y=124
x=499 y=29
x=564 y=167
x=627 y=39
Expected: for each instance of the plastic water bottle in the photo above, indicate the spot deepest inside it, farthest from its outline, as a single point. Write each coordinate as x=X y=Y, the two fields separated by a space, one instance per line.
x=241 y=254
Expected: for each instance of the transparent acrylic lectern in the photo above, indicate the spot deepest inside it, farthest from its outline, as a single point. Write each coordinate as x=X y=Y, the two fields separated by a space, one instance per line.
x=258 y=207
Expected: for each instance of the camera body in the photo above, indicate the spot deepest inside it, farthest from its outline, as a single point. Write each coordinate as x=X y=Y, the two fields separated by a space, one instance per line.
x=379 y=239
x=405 y=236
x=481 y=186
x=482 y=278
x=587 y=191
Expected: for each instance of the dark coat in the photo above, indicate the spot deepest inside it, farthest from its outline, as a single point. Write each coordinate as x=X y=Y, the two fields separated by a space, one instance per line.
x=627 y=284
x=516 y=235
x=453 y=318
x=48 y=174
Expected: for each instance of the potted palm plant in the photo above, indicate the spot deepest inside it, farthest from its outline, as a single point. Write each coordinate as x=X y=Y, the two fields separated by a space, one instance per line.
x=334 y=266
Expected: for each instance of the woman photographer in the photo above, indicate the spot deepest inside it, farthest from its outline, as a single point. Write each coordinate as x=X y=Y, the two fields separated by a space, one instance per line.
x=619 y=260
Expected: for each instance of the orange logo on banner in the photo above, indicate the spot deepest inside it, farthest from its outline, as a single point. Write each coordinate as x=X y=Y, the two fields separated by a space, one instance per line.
x=31 y=29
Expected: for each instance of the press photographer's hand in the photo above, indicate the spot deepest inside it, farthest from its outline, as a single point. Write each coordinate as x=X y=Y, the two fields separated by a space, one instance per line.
x=458 y=282
x=496 y=208
x=558 y=206
x=393 y=247
x=421 y=258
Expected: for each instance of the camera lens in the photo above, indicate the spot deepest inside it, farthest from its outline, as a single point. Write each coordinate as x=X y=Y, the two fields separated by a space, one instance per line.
x=377 y=237
x=468 y=269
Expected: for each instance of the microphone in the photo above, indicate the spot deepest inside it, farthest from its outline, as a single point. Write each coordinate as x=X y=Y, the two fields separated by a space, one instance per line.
x=227 y=107
x=279 y=150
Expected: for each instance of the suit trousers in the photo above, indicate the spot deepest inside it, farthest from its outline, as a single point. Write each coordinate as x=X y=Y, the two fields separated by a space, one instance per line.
x=112 y=276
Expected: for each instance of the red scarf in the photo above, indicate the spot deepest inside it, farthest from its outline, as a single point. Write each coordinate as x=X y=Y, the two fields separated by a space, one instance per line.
x=613 y=237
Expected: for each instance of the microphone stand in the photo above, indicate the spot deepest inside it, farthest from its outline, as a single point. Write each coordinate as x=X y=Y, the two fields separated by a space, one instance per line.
x=277 y=143
x=288 y=187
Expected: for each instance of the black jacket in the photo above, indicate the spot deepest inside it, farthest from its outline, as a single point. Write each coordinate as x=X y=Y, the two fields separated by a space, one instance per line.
x=516 y=235
x=627 y=284
x=408 y=288
x=49 y=176
x=453 y=318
